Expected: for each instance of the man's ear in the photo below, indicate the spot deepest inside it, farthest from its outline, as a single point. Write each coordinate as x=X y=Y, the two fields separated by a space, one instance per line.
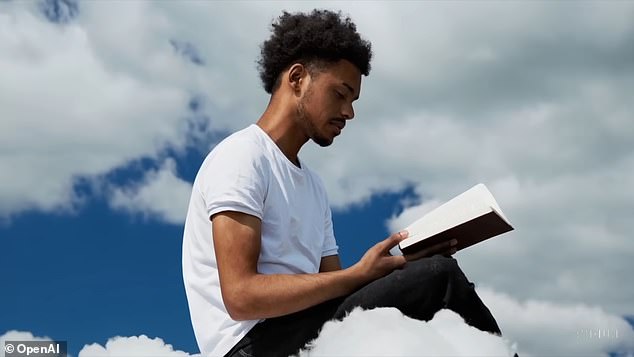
x=296 y=77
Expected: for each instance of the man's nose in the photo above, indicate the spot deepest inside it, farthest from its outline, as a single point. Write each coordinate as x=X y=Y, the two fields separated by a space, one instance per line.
x=347 y=112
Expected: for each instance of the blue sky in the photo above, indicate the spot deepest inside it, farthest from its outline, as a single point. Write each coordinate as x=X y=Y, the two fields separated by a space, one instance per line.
x=108 y=108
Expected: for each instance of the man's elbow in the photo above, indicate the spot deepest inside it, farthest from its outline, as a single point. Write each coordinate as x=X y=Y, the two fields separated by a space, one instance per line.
x=237 y=312
x=239 y=306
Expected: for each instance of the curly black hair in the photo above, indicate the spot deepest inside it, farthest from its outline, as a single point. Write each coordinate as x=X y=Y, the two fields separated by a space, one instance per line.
x=314 y=40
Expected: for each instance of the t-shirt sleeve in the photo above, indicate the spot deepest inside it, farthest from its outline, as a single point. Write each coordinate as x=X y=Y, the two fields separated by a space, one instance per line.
x=330 y=244
x=235 y=180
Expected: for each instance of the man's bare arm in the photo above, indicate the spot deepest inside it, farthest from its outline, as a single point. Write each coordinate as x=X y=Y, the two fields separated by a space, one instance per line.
x=249 y=295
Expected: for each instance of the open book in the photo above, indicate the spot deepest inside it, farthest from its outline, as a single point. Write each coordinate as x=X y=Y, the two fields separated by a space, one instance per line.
x=470 y=217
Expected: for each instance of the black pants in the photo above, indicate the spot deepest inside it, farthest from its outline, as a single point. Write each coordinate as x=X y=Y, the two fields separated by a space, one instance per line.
x=418 y=290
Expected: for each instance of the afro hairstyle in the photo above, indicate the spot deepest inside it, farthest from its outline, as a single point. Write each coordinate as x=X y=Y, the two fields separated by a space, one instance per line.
x=314 y=40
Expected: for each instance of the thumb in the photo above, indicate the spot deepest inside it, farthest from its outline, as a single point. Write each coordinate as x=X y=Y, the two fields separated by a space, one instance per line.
x=393 y=240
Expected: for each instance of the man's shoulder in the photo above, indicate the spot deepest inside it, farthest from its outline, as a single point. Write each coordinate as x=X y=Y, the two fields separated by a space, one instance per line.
x=242 y=145
x=248 y=138
x=239 y=152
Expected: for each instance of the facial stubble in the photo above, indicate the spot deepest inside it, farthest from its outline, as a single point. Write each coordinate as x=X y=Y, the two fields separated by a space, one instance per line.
x=305 y=121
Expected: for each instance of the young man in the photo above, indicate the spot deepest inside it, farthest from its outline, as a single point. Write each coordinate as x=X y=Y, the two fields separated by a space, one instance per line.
x=260 y=260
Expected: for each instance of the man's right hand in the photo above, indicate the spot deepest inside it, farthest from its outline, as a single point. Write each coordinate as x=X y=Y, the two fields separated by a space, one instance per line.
x=377 y=262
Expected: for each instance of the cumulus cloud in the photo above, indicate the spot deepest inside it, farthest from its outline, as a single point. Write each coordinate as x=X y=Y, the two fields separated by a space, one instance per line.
x=70 y=111
x=135 y=346
x=161 y=194
x=530 y=327
x=546 y=328
x=14 y=335
x=387 y=332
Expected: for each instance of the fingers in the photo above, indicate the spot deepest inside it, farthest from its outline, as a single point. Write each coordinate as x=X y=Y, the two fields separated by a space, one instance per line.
x=398 y=261
x=376 y=264
x=445 y=248
x=392 y=240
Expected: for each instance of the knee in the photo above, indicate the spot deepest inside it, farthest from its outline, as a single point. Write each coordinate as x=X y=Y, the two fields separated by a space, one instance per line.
x=445 y=265
x=437 y=265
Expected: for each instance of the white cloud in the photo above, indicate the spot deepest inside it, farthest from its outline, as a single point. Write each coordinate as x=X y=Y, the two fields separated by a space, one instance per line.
x=161 y=194
x=135 y=346
x=81 y=99
x=545 y=328
x=14 y=335
x=387 y=332
x=67 y=112
x=411 y=214
x=530 y=328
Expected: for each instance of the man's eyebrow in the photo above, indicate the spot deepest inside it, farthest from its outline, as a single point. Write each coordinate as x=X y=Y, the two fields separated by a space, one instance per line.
x=350 y=89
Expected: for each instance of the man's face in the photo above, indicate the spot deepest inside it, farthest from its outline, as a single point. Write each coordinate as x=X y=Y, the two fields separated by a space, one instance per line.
x=326 y=104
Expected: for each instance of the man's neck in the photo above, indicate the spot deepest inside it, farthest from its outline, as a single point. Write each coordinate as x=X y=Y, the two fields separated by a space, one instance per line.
x=278 y=122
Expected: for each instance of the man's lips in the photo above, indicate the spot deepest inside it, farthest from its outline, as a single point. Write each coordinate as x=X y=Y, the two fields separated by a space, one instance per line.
x=340 y=124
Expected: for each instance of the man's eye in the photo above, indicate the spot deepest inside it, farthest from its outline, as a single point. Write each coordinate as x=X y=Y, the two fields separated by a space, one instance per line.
x=340 y=95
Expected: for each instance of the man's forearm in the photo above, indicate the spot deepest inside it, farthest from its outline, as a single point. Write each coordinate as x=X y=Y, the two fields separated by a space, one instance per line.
x=264 y=296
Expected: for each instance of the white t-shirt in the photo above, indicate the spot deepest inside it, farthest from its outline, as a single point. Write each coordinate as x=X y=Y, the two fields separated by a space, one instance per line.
x=247 y=172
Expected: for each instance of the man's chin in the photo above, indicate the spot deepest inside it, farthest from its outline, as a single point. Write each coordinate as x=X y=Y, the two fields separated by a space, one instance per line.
x=323 y=142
